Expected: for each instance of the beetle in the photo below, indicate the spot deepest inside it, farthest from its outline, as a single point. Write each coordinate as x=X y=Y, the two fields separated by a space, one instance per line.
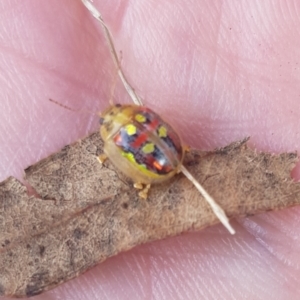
x=141 y=145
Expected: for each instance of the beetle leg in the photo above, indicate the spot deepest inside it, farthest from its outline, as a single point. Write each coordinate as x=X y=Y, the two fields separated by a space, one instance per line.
x=102 y=158
x=138 y=186
x=186 y=148
x=144 y=190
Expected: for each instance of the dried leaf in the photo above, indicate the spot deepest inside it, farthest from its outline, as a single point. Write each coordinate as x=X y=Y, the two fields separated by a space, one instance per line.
x=90 y=212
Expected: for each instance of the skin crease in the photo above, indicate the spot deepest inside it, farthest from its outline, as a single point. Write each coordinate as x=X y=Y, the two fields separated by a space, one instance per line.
x=219 y=71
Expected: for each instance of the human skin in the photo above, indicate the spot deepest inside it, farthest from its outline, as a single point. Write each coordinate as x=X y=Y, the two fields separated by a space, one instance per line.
x=219 y=71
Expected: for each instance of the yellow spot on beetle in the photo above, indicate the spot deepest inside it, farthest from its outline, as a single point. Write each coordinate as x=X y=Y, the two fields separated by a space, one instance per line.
x=162 y=131
x=129 y=156
x=143 y=166
x=148 y=148
x=130 y=129
x=140 y=118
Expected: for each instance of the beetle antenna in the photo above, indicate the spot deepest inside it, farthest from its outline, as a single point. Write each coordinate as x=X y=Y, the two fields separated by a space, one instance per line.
x=96 y=14
x=70 y=108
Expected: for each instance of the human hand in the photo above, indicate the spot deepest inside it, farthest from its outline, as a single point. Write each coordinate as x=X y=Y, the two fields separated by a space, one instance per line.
x=218 y=72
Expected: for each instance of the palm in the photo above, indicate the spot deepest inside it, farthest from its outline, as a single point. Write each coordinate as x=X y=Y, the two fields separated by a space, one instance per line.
x=219 y=71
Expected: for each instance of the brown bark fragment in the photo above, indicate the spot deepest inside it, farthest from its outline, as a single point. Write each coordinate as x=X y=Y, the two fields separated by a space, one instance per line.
x=92 y=211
